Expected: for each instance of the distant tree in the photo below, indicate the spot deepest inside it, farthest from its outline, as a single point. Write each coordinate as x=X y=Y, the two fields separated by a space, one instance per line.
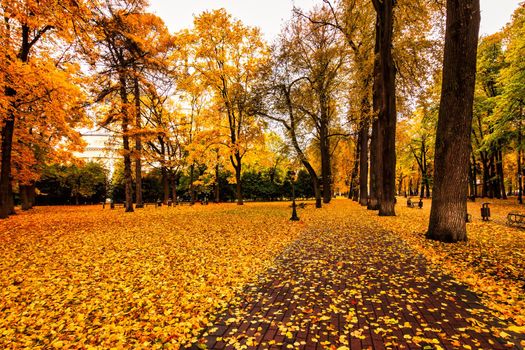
x=229 y=58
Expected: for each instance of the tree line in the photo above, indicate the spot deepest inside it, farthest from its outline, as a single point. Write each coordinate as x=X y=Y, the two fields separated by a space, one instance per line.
x=372 y=98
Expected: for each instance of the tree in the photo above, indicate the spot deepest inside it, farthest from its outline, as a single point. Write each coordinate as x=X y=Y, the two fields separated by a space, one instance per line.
x=452 y=152
x=33 y=75
x=229 y=56
x=510 y=104
x=125 y=39
x=487 y=132
x=384 y=103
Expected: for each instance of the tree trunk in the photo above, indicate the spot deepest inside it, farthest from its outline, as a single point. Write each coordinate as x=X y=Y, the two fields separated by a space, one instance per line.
x=353 y=192
x=125 y=142
x=6 y=190
x=165 y=186
x=238 y=188
x=192 y=189
x=519 y=172
x=400 y=184
x=238 y=185
x=385 y=83
x=31 y=195
x=486 y=176
x=473 y=177
x=24 y=197
x=138 y=147
x=217 y=188
x=326 y=169
x=7 y=204
x=363 y=164
x=494 y=181
x=174 y=188
x=501 y=175
x=375 y=167
x=449 y=205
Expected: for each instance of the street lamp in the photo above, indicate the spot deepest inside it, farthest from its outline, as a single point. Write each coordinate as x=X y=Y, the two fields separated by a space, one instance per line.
x=294 y=206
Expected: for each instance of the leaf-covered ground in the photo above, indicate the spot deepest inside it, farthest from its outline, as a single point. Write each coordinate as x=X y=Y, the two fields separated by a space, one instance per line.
x=491 y=262
x=75 y=277
x=86 y=277
x=350 y=282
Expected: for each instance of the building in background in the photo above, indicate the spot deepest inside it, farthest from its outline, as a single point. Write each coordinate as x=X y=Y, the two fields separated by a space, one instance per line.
x=102 y=147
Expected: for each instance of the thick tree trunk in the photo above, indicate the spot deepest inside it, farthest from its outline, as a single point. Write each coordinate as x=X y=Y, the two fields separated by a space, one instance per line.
x=449 y=205
x=363 y=164
x=6 y=190
x=138 y=147
x=385 y=83
x=7 y=203
x=238 y=188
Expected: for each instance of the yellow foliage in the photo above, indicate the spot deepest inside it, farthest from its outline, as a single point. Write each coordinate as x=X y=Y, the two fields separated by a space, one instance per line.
x=90 y=277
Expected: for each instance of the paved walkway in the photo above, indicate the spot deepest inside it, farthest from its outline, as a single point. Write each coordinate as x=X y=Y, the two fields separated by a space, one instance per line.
x=353 y=287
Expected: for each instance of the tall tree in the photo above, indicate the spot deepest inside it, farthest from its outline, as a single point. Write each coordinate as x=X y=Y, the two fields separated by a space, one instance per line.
x=385 y=105
x=124 y=37
x=229 y=57
x=25 y=26
x=449 y=206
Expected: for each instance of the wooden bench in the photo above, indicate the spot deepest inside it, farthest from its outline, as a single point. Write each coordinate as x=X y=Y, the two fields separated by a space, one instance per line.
x=516 y=219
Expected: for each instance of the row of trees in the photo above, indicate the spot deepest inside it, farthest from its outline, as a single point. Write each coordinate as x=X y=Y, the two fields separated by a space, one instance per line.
x=89 y=183
x=200 y=102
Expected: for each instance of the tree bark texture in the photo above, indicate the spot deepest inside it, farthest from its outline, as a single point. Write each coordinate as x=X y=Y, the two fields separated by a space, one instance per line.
x=453 y=145
x=385 y=84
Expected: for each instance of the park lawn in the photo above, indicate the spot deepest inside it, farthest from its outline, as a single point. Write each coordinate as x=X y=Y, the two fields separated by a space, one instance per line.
x=83 y=276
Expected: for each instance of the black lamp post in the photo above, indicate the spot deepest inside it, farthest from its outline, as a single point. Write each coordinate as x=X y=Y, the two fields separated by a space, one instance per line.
x=294 y=206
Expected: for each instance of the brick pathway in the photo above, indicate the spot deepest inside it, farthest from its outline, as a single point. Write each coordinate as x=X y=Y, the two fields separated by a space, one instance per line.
x=352 y=286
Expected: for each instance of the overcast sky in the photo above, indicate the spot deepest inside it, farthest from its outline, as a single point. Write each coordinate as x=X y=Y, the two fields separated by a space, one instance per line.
x=269 y=14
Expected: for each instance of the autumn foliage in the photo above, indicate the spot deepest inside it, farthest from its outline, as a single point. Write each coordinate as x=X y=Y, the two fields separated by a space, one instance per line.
x=92 y=277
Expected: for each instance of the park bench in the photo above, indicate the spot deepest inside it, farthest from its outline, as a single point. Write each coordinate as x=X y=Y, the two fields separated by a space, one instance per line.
x=516 y=219
x=411 y=204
